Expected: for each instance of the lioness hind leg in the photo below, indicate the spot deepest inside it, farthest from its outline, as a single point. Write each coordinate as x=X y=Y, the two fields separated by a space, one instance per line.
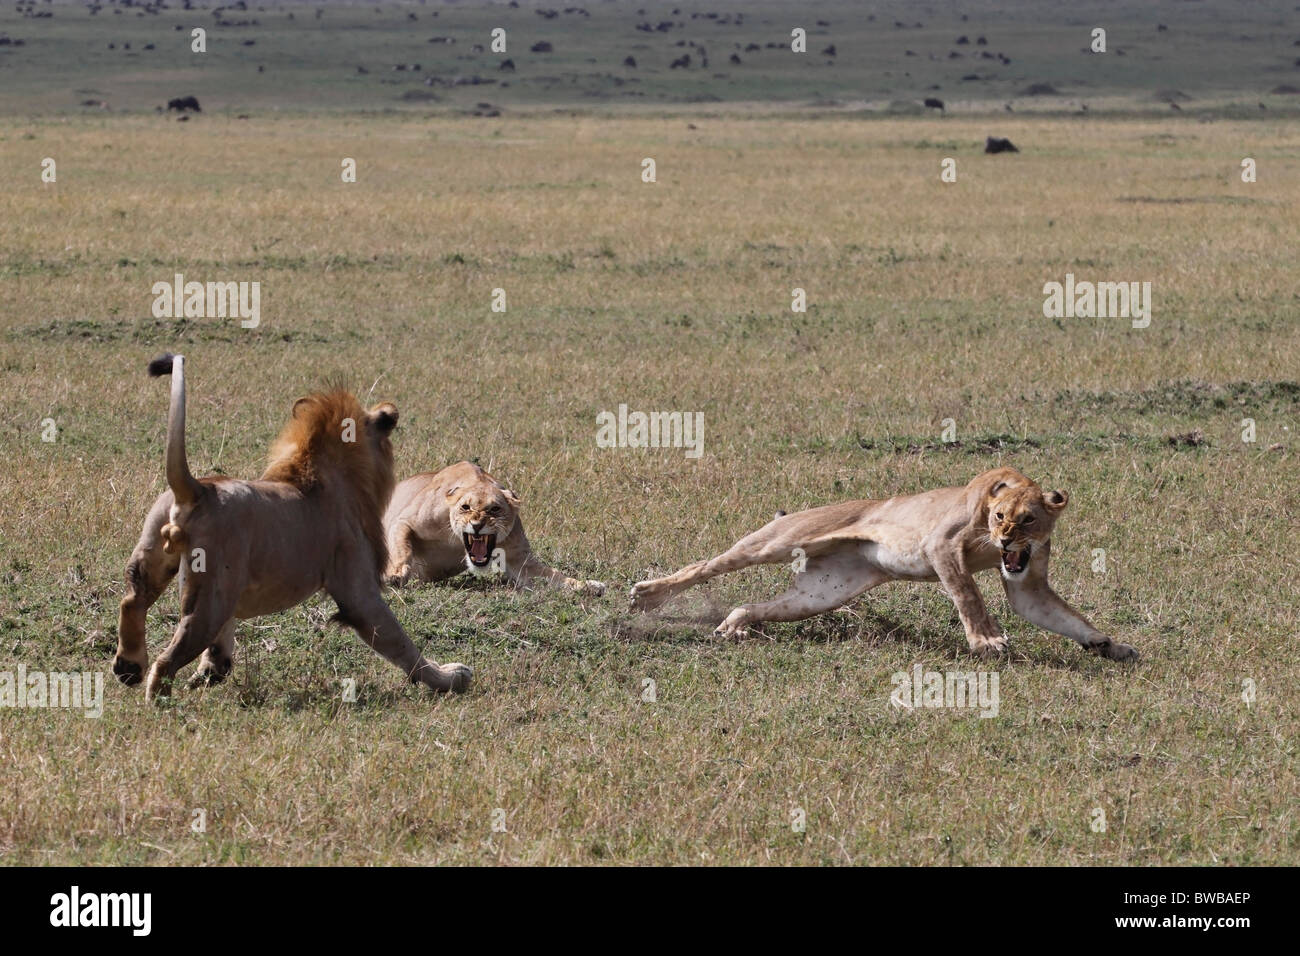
x=827 y=582
x=760 y=547
x=214 y=665
x=147 y=575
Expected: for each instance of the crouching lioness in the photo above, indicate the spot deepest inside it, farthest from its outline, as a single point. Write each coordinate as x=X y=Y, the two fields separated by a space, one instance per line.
x=462 y=519
x=1001 y=519
x=246 y=548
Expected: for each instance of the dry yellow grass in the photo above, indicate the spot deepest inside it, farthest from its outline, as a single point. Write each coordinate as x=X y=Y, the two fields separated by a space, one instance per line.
x=925 y=304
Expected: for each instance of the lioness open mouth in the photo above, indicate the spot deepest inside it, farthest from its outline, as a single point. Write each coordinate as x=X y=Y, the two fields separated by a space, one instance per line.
x=1015 y=562
x=479 y=548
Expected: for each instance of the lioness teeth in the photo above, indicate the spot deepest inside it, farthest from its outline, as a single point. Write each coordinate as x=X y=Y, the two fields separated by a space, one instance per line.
x=479 y=547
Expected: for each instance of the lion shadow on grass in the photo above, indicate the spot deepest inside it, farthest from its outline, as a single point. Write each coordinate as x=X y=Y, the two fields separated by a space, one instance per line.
x=692 y=621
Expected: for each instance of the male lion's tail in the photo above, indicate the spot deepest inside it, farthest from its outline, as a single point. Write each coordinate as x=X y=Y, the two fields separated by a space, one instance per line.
x=183 y=484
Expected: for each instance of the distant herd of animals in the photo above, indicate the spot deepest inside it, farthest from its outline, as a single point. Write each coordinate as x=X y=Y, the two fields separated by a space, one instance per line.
x=993 y=144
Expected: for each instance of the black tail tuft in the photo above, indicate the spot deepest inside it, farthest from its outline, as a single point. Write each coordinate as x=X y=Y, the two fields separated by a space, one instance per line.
x=162 y=365
x=779 y=514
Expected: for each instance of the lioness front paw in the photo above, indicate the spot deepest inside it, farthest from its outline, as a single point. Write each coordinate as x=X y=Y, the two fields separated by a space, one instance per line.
x=398 y=577
x=989 y=645
x=1115 y=651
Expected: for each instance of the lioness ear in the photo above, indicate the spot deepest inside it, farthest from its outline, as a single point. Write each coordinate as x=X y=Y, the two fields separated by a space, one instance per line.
x=514 y=498
x=451 y=492
x=1056 y=501
x=383 y=417
x=997 y=489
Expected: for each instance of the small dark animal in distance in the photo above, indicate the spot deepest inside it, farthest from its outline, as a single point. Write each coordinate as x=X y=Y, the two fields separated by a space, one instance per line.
x=997 y=144
x=183 y=103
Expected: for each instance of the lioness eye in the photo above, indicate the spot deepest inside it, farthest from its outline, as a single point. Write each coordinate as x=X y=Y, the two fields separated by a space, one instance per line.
x=1029 y=519
x=998 y=516
x=493 y=510
x=464 y=507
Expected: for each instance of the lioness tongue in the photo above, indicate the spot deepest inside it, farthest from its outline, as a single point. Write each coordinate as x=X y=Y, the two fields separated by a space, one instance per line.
x=478 y=546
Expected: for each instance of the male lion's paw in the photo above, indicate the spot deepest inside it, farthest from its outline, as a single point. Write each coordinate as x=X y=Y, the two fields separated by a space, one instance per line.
x=989 y=645
x=211 y=671
x=398 y=577
x=457 y=676
x=128 y=672
x=648 y=595
x=158 y=685
x=443 y=678
x=1116 y=651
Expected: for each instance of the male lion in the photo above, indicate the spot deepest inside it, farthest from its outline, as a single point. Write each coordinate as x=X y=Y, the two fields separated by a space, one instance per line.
x=1000 y=518
x=462 y=519
x=245 y=548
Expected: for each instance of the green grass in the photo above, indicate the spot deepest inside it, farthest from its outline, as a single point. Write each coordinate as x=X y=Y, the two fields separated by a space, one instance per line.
x=925 y=304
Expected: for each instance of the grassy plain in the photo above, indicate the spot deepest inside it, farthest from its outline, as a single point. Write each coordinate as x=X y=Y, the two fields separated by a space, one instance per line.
x=925 y=304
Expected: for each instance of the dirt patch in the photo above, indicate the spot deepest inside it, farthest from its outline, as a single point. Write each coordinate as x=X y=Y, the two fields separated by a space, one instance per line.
x=972 y=446
x=159 y=332
x=1182 y=397
x=1192 y=200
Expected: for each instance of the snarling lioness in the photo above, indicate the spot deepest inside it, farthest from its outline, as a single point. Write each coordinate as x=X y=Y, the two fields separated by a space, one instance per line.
x=246 y=548
x=462 y=519
x=1001 y=519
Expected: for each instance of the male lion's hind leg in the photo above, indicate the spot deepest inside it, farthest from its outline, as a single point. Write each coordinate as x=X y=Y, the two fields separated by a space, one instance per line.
x=147 y=575
x=215 y=664
x=205 y=611
x=827 y=582
x=761 y=547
